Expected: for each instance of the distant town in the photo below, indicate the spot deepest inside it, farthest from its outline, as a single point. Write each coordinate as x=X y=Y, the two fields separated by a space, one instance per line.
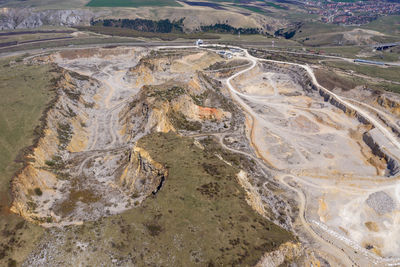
x=351 y=13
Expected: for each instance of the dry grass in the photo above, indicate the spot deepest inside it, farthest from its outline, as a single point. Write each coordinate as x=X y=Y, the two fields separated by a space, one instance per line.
x=331 y=80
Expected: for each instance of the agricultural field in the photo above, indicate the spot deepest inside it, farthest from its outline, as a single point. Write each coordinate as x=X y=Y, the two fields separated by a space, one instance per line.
x=124 y=32
x=44 y=4
x=132 y=3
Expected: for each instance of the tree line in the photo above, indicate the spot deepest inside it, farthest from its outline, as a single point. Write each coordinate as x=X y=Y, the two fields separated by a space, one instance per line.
x=168 y=26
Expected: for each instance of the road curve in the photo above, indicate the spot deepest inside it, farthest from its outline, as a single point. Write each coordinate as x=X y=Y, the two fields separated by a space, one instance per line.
x=371 y=119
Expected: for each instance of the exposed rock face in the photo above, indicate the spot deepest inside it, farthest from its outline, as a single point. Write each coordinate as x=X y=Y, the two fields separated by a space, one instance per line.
x=11 y=18
x=172 y=100
x=286 y=252
x=392 y=164
x=390 y=102
x=142 y=175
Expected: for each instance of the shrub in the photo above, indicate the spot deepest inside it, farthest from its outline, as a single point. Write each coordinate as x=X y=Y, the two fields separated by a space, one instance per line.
x=38 y=191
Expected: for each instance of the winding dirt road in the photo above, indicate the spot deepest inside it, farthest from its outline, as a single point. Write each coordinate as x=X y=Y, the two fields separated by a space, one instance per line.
x=326 y=246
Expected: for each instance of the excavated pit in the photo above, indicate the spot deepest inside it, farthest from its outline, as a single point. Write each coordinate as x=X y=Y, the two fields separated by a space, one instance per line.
x=86 y=165
x=333 y=153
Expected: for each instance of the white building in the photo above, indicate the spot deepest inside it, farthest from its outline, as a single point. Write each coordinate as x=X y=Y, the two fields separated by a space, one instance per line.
x=225 y=54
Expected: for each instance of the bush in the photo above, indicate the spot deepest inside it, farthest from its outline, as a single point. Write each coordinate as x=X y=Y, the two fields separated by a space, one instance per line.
x=154 y=229
x=38 y=191
x=64 y=134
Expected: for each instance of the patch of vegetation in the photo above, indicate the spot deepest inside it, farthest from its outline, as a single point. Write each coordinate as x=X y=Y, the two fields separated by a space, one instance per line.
x=131 y=3
x=386 y=24
x=67 y=42
x=314 y=28
x=387 y=73
x=272 y=4
x=153 y=228
x=64 y=134
x=78 y=76
x=75 y=196
x=179 y=121
x=70 y=112
x=143 y=25
x=31 y=205
x=38 y=191
x=252 y=8
x=227 y=64
x=168 y=93
x=226 y=28
x=57 y=166
x=89 y=105
x=56 y=163
x=125 y=32
x=210 y=190
x=199 y=99
x=289 y=32
x=12 y=263
x=72 y=94
x=287 y=57
x=330 y=80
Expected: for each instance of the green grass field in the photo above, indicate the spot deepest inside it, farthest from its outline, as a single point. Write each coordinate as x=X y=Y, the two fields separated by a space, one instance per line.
x=125 y=32
x=387 y=73
x=69 y=42
x=252 y=9
x=25 y=91
x=132 y=3
x=271 y=4
x=314 y=28
x=330 y=79
x=389 y=25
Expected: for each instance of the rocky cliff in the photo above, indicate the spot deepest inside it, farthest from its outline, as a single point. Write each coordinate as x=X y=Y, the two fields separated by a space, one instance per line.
x=17 y=18
x=390 y=102
x=286 y=253
x=142 y=176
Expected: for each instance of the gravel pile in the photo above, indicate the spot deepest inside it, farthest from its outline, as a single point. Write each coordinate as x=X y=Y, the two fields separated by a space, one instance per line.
x=381 y=202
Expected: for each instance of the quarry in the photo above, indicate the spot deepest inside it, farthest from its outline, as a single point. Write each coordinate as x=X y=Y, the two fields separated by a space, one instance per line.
x=309 y=175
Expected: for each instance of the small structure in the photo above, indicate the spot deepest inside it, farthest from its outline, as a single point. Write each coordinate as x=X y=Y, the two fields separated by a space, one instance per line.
x=235 y=50
x=369 y=62
x=199 y=42
x=225 y=54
